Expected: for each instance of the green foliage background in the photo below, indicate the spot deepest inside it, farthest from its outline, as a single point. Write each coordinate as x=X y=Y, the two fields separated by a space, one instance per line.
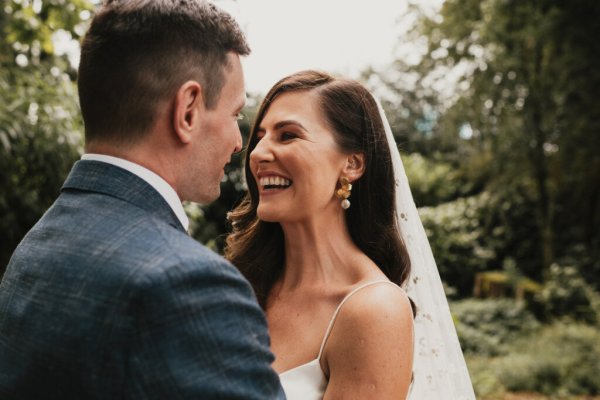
x=40 y=126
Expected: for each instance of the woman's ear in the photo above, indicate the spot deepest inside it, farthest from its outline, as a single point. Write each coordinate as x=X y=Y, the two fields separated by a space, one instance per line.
x=355 y=166
x=188 y=106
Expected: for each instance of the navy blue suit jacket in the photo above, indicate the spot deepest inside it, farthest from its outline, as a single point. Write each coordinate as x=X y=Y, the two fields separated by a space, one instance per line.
x=107 y=297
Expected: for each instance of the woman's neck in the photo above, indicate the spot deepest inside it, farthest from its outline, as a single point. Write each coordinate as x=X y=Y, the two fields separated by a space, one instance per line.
x=320 y=251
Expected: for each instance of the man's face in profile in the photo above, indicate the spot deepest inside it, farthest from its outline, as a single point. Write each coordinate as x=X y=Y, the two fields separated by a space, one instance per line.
x=219 y=135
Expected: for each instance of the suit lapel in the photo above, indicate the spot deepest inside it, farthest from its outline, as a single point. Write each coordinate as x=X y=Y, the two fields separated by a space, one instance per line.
x=100 y=177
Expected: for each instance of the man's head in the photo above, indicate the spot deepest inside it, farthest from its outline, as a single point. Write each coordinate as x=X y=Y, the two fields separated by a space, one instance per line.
x=136 y=60
x=136 y=55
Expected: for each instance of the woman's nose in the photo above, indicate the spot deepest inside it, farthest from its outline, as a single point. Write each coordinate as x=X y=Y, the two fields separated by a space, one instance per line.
x=263 y=151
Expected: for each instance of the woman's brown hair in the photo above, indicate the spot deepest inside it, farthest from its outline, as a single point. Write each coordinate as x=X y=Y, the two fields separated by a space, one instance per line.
x=257 y=247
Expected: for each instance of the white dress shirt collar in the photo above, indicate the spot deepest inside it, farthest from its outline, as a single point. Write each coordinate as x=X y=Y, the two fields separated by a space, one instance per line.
x=154 y=180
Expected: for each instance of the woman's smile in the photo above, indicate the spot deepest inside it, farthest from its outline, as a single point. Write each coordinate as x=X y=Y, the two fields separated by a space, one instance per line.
x=273 y=183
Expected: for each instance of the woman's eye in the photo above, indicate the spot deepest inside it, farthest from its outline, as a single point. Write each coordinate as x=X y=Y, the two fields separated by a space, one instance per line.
x=288 y=136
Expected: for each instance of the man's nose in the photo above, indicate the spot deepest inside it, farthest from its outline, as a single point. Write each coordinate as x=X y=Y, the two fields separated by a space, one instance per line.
x=238 y=142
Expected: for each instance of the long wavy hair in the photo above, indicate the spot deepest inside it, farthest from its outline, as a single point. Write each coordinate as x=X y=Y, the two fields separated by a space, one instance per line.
x=257 y=247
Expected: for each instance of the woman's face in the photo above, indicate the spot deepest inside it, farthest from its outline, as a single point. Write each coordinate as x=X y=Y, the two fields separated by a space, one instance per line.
x=296 y=162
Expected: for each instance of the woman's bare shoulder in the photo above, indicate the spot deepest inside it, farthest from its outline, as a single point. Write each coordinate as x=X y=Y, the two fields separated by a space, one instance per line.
x=381 y=304
x=372 y=335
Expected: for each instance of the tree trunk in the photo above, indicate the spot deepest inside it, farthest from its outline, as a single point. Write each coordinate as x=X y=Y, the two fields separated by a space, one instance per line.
x=534 y=118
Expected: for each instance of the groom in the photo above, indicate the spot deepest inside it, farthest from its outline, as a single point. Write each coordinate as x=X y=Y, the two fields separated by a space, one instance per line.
x=108 y=297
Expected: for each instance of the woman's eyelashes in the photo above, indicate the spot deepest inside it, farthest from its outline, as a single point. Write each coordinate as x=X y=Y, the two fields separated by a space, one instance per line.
x=287 y=136
x=284 y=136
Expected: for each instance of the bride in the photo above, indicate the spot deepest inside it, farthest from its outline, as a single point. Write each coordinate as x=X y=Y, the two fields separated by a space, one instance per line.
x=320 y=235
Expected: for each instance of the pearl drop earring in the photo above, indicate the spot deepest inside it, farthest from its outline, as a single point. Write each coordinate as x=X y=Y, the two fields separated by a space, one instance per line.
x=344 y=192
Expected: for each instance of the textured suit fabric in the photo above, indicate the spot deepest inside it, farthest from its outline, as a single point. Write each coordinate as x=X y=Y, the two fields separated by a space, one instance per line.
x=107 y=297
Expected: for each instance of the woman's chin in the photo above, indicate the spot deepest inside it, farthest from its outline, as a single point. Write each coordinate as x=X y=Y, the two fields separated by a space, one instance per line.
x=267 y=214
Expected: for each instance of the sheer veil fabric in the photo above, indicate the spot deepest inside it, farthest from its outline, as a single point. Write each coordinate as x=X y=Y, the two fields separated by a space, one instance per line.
x=439 y=368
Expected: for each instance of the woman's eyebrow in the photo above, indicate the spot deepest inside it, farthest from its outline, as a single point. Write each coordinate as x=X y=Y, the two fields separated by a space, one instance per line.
x=281 y=124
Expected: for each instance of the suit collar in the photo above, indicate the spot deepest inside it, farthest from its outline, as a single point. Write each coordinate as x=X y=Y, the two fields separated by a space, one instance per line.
x=100 y=177
x=153 y=179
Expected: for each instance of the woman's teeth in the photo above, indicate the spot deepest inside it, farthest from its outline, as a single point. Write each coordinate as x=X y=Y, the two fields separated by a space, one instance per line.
x=274 y=182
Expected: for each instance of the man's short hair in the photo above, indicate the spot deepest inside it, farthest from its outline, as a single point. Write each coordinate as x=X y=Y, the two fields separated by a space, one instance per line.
x=136 y=55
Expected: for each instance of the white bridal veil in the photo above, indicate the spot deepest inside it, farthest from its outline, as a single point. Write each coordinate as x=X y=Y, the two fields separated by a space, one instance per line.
x=440 y=371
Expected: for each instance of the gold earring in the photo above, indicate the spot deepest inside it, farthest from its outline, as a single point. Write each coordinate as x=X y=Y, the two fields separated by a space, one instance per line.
x=344 y=192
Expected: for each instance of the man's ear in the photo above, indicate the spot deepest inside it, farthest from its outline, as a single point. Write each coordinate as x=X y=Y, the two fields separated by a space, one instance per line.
x=355 y=166
x=188 y=106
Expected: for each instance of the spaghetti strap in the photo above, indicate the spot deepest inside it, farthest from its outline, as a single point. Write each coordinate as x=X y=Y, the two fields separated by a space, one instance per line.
x=339 y=307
